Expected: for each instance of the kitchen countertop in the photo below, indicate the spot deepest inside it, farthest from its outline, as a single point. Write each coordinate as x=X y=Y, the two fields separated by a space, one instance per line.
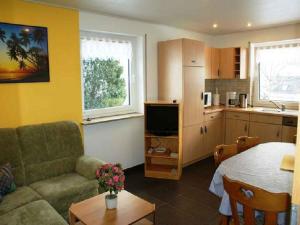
x=259 y=110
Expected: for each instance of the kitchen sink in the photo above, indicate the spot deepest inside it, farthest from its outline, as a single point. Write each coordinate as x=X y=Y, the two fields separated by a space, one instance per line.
x=273 y=110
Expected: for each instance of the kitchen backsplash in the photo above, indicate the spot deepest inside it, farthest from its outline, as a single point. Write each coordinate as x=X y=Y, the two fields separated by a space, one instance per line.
x=240 y=86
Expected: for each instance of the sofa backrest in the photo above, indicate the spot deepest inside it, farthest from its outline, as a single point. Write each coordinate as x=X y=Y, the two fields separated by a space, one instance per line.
x=10 y=152
x=49 y=150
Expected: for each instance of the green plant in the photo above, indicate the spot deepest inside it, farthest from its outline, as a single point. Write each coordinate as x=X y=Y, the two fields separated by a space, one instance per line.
x=103 y=85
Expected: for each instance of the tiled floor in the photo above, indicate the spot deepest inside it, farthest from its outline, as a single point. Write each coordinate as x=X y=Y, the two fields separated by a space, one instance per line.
x=183 y=202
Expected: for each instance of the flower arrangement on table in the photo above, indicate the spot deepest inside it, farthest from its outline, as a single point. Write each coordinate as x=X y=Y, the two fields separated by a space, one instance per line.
x=111 y=178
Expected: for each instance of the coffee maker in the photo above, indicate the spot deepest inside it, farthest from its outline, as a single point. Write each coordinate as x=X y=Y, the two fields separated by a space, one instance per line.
x=231 y=99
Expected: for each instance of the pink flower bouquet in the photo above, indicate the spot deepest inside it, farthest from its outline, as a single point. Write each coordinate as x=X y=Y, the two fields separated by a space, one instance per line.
x=111 y=178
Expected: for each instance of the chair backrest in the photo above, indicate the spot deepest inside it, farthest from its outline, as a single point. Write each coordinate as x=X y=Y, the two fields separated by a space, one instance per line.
x=253 y=198
x=245 y=142
x=223 y=152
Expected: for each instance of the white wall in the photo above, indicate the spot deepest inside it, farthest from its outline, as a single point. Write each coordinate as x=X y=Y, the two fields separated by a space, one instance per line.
x=116 y=141
x=123 y=141
x=243 y=38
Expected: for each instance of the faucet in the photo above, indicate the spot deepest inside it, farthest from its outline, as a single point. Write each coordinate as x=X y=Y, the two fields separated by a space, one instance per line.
x=280 y=108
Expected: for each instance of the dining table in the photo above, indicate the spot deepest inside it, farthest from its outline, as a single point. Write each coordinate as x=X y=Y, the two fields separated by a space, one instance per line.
x=258 y=166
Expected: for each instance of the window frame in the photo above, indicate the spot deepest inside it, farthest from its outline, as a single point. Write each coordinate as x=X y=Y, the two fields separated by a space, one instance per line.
x=254 y=72
x=133 y=92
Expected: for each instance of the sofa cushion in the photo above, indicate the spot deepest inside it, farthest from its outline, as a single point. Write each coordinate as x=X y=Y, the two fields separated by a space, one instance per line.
x=66 y=189
x=20 y=197
x=10 y=152
x=34 y=213
x=50 y=149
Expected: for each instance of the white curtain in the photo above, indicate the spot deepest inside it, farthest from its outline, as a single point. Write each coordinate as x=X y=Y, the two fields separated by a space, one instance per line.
x=104 y=48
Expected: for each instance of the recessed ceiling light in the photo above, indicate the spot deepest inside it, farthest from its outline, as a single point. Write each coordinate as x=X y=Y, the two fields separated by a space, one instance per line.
x=249 y=24
x=215 y=25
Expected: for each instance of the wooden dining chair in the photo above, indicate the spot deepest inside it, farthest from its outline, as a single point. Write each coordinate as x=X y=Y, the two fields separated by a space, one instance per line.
x=223 y=152
x=253 y=198
x=245 y=142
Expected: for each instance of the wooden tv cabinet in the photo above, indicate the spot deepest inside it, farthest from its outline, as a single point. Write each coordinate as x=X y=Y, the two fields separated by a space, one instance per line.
x=164 y=165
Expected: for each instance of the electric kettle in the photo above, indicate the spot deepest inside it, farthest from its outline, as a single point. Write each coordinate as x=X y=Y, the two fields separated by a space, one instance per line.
x=243 y=100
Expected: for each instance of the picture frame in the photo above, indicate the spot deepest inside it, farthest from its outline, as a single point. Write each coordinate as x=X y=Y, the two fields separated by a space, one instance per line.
x=24 y=56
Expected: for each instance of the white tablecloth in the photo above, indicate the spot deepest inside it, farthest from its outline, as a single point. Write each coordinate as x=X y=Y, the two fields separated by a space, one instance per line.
x=258 y=166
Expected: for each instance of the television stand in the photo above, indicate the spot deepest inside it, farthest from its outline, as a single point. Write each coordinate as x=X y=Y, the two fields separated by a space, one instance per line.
x=163 y=164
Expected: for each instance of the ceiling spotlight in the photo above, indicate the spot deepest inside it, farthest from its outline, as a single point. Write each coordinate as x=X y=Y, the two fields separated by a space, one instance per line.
x=215 y=25
x=249 y=24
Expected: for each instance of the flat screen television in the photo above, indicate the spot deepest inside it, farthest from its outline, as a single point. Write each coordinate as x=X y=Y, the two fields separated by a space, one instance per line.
x=162 y=120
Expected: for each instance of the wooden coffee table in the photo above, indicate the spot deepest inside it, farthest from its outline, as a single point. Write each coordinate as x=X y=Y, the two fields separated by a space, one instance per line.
x=93 y=211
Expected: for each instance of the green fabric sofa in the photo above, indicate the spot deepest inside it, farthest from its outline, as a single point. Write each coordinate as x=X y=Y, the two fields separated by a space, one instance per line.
x=51 y=172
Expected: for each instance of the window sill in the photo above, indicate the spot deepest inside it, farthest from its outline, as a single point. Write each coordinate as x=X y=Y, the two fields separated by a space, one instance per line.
x=111 y=118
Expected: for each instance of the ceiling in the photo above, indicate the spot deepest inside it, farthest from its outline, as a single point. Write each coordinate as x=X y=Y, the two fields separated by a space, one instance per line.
x=198 y=15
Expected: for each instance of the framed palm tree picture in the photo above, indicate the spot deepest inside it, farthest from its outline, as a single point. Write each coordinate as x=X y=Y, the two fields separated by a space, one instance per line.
x=23 y=54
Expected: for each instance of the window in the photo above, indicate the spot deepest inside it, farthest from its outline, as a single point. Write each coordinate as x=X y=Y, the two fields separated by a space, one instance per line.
x=277 y=72
x=108 y=74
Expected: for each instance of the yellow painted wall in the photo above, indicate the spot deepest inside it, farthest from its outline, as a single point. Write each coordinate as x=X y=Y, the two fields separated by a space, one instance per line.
x=59 y=99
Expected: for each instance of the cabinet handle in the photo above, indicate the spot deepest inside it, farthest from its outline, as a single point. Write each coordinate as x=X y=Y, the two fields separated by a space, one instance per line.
x=193 y=61
x=218 y=73
x=201 y=130
x=245 y=128
x=201 y=95
x=278 y=133
x=205 y=129
x=236 y=116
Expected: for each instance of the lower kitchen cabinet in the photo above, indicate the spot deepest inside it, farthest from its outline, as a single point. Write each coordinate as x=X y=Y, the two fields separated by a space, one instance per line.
x=234 y=129
x=193 y=143
x=213 y=134
x=288 y=134
x=266 y=132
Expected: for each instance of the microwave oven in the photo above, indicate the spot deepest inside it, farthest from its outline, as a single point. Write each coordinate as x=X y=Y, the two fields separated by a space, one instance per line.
x=207 y=99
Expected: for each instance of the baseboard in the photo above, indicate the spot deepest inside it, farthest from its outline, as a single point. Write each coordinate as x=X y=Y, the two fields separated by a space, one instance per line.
x=134 y=168
x=197 y=160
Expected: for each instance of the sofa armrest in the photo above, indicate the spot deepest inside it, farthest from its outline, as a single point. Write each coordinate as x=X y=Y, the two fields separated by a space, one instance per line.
x=87 y=166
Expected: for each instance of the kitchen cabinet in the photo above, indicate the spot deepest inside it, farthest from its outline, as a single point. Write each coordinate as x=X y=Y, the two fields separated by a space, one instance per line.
x=181 y=77
x=193 y=143
x=266 y=132
x=215 y=63
x=288 y=134
x=267 y=127
x=193 y=53
x=213 y=134
x=193 y=94
x=208 y=62
x=226 y=63
x=234 y=129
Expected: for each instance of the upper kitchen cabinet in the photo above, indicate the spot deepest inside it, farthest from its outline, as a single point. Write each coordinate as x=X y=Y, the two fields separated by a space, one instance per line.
x=211 y=62
x=207 y=62
x=192 y=52
x=226 y=63
x=173 y=57
x=215 y=63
